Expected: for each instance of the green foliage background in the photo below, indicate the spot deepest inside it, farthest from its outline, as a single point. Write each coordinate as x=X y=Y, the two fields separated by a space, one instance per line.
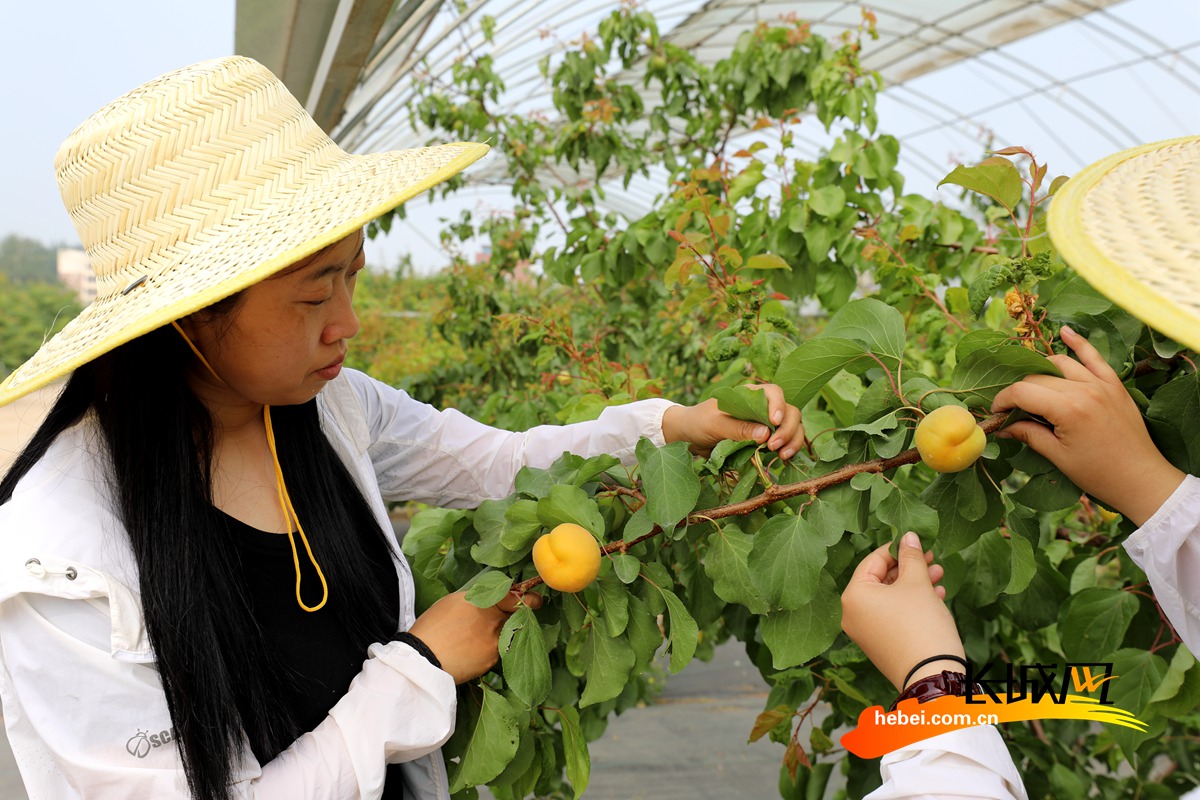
x=33 y=312
x=701 y=296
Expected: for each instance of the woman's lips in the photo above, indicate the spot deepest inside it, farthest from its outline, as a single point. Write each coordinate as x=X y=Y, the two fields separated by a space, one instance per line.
x=330 y=372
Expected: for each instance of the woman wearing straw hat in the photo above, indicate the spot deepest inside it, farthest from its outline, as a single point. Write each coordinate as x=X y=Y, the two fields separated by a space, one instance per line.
x=199 y=592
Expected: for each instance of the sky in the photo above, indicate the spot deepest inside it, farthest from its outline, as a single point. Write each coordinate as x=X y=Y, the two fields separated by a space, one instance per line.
x=60 y=61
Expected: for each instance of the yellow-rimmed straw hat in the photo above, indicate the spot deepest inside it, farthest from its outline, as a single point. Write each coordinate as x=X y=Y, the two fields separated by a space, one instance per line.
x=1130 y=225
x=201 y=183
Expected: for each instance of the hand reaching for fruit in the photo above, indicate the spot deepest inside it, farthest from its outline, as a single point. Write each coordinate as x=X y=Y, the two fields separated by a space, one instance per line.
x=703 y=425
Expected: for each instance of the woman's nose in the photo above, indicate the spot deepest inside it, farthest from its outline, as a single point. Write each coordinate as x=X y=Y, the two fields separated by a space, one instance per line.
x=345 y=325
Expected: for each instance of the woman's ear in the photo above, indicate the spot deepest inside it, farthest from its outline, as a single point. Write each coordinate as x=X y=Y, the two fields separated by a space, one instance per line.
x=188 y=325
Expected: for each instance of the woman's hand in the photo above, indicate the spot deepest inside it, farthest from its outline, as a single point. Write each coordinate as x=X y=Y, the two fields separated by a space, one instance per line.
x=465 y=637
x=892 y=609
x=1099 y=439
x=703 y=425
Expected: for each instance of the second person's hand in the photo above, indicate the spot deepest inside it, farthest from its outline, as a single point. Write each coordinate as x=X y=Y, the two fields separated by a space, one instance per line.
x=1099 y=439
x=893 y=611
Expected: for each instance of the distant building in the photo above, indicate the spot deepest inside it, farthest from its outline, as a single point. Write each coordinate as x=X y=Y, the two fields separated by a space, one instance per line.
x=75 y=272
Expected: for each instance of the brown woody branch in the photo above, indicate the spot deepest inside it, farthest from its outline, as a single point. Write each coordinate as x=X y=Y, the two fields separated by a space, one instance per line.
x=774 y=494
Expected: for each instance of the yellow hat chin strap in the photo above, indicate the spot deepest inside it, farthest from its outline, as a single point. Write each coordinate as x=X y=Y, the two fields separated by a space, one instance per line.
x=285 y=501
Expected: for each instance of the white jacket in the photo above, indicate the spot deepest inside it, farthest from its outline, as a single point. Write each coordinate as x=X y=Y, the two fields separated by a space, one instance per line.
x=1167 y=548
x=83 y=705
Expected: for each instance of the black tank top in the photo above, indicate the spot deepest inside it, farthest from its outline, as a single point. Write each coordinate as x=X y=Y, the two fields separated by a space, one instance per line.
x=316 y=652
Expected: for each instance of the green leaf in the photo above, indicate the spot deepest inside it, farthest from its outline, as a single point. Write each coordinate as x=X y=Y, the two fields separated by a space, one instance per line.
x=1071 y=299
x=1139 y=674
x=828 y=201
x=766 y=261
x=982 y=340
x=567 y=503
x=1179 y=691
x=638 y=525
x=786 y=561
x=724 y=449
x=577 y=470
x=626 y=567
x=524 y=657
x=1042 y=600
x=984 y=286
x=987 y=570
x=904 y=511
x=1048 y=491
x=827 y=520
x=1023 y=566
x=491 y=522
x=1024 y=523
x=616 y=605
x=643 y=632
x=684 y=632
x=876 y=324
x=579 y=763
x=488 y=589
x=965 y=511
x=742 y=402
x=493 y=743
x=671 y=487
x=997 y=178
x=983 y=373
x=609 y=662
x=1175 y=412
x=533 y=482
x=819 y=238
x=797 y=636
x=426 y=540
x=1092 y=624
x=521 y=525
x=519 y=767
x=726 y=564
x=810 y=366
x=746 y=181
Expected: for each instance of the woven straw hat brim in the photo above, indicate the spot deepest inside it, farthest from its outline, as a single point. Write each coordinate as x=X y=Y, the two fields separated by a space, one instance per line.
x=1129 y=224
x=354 y=190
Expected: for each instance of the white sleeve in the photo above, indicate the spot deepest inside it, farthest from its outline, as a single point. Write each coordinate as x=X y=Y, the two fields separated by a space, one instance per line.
x=77 y=714
x=1167 y=548
x=447 y=459
x=967 y=763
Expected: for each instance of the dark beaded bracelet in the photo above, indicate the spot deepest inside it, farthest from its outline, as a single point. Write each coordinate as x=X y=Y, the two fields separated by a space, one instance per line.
x=930 y=660
x=943 y=684
x=416 y=644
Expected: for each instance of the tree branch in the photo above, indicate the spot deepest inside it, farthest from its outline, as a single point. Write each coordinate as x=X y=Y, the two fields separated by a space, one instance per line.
x=773 y=494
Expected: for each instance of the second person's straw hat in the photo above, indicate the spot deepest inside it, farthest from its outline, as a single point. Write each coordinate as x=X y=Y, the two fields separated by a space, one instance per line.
x=1130 y=225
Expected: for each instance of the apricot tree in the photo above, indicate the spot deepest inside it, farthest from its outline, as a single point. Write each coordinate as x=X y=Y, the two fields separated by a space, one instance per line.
x=918 y=306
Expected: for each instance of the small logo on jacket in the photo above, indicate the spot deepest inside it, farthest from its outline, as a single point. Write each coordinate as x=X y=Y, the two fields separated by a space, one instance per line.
x=142 y=742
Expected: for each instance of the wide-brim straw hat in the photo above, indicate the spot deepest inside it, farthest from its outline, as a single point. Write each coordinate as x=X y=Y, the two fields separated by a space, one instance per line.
x=201 y=183
x=1130 y=225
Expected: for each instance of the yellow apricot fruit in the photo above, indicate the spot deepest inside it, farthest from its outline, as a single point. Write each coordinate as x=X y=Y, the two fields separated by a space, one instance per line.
x=567 y=558
x=949 y=440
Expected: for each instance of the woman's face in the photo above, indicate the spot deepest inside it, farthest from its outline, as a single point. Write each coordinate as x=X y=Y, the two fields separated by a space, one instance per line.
x=288 y=335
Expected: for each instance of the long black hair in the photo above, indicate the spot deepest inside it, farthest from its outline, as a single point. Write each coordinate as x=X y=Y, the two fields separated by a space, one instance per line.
x=210 y=655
